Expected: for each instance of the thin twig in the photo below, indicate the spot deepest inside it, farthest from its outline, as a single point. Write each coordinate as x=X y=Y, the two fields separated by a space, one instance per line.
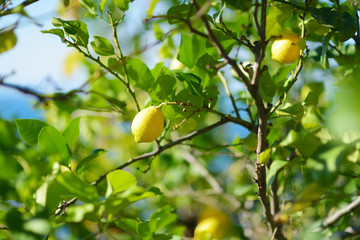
x=250 y=126
x=227 y=90
x=109 y=69
x=10 y=11
x=288 y=84
x=204 y=172
x=331 y=220
x=121 y=59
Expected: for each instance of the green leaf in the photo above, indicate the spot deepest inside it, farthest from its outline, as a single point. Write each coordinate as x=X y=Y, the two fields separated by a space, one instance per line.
x=296 y=111
x=77 y=187
x=267 y=87
x=123 y=4
x=181 y=11
x=163 y=217
x=311 y=118
x=324 y=53
x=77 y=30
x=306 y=142
x=191 y=49
x=55 y=31
x=57 y=22
x=164 y=85
x=83 y=165
x=144 y=230
x=327 y=16
x=102 y=6
x=139 y=74
x=118 y=181
x=102 y=46
x=191 y=81
x=8 y=135
x=77 y=213
x=88 y=5
x=39 y=226
x=277 y=16
x=122 y=199
x=309 y=195
x=323 y=166
x=349 y=28
x=8 y=40
x=225 y=40
x=250 y=142
x=52 y=142
x=72 y=132
x=316 y=89
x=128 y=224
x=29 y=129
x=10 y=167
x=265 y=156
x=275 y=167
x=242 y=5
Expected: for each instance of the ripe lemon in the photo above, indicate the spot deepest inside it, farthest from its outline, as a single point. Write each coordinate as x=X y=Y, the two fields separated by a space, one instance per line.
x=209 y=228
x=147 y=124
x=213 y=224
x=285 y=49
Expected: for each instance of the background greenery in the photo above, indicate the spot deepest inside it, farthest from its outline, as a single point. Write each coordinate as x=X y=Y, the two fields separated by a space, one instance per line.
x=80 y=175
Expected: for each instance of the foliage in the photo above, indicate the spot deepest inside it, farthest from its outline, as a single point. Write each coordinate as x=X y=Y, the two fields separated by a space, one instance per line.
x=274 y=147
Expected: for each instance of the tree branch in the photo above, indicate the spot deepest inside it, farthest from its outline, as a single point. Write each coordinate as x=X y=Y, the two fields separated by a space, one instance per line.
x=11 y=11
x=62 y=207
x=331 y=220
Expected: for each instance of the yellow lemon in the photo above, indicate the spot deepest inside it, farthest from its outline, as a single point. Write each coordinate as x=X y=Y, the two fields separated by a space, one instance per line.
x=213 y=224
x=285 y=49
x=147 y=124
x=209 y=228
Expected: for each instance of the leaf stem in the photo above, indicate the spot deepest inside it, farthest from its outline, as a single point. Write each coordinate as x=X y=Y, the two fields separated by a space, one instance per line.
x=122 y=59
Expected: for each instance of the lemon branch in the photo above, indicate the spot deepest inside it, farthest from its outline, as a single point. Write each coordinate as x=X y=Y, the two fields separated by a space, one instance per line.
x=63 y=206
x=160 y=149
x=250 y=126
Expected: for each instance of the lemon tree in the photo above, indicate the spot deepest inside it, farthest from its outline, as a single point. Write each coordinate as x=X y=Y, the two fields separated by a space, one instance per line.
x=256 y=135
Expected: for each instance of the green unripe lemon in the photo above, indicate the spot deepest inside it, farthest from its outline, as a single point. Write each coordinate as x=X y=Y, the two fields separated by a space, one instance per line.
x=285 y=49
x=147 y=124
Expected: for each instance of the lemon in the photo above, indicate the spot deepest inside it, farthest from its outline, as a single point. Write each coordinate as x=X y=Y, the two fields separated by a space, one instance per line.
x=147 y=124
x=213 y=224
x=209 y=228
x=285 y=49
